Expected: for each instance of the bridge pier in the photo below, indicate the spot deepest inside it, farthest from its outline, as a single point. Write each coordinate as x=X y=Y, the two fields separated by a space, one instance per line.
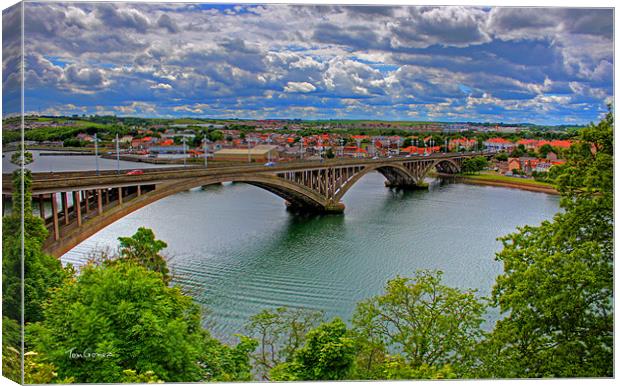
x=410 y=186
x=330 y=208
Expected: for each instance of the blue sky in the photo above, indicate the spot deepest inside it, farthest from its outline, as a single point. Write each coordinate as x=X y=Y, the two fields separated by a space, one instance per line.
x=542 y=65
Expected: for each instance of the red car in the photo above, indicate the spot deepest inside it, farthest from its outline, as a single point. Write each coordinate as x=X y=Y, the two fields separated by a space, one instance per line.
x=136 y=172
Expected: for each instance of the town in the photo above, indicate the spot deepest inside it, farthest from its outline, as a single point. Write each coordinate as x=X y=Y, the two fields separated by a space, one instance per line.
x=523 y=151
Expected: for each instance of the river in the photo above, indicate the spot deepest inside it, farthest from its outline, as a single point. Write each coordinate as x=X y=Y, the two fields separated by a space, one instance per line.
x=69 y=163
x=237 y=250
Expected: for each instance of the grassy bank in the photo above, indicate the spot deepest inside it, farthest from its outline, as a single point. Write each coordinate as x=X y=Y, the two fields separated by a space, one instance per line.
x=509 y=182
x=492 y=179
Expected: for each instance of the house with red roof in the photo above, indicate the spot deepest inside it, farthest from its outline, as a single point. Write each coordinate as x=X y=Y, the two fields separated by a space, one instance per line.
x=499 y=144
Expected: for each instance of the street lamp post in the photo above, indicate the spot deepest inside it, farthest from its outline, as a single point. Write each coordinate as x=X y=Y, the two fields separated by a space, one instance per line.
x=269 y=152
x=96 y=155
x=301 y=148
x=183 y=141
x=341 y=147
x=249 y=152
x=204 y=144
x=118 y=156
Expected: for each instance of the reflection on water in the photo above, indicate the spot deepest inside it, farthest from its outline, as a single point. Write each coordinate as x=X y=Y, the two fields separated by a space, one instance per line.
x=237 y=250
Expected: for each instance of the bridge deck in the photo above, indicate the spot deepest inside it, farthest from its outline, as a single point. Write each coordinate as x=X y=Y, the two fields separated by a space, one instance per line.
x=44 y=183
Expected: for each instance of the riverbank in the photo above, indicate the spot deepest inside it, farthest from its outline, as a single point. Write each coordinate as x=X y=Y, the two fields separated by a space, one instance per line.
x=506 y=182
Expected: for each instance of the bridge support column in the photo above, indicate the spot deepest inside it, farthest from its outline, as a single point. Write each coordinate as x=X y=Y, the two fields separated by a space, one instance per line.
x=334 y=207
x=330 y=208
x=77 y=207
x=120 y=196
x=86 y=206
x=55 y=216
x=42 y=206
x=99 y=203
x=65 y=207
x=139 y=190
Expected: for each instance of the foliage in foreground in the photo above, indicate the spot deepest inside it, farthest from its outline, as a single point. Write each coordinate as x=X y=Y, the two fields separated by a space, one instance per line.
x=119 y=321
x=42 y=273
x=556 y=292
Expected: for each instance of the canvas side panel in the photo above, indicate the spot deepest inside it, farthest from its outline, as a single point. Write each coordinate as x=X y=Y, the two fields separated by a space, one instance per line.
x=12 y=268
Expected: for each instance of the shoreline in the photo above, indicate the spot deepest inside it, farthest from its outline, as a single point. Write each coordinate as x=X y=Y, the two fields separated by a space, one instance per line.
x=505 y=184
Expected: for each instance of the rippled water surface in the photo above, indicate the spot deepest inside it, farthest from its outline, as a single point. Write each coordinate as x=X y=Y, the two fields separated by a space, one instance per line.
x=237 y=250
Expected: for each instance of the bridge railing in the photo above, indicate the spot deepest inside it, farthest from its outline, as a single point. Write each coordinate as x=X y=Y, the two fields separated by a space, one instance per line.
x=153 y=174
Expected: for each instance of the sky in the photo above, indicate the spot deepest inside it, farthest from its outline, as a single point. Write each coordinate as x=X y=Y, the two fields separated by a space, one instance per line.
x=536 y=65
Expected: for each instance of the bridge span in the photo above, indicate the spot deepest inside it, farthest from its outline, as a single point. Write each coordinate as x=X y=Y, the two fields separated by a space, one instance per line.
x=82 y=203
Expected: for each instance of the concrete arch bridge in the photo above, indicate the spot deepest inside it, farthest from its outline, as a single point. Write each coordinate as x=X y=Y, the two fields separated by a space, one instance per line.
x=82 y=203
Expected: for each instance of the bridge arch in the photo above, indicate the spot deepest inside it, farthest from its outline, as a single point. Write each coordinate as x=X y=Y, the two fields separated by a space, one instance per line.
x=395 y=175
x=448 y=166
x=296 y=195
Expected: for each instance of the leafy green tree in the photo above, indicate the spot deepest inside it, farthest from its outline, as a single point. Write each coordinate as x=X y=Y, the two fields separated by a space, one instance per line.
x=396 y=367
x=116 y=317
x=328 y=354
x=131 y=376
x=517 y=152
x=544 y=150
x=280 y=333
x=224 y=363
x=216 y=135
x=474 y=164
x=16 y=158
x=143 y=249
x=41 y=271
x=501 y=156
x=556 y=292
x=425 y=322
x=11 y=358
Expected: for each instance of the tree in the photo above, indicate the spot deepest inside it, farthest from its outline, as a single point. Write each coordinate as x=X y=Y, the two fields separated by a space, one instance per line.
x=16 y=157
x=119 y=317
x=224 y=363
x=280 y=333
x=42 y=272
x=329 y=153
x=143 y=249
x=425 y=322
x=544 y=150
x=475 y=164
x=328 y=354
x=216 y=135
x=517 y=152
x=501 y=156
x=556 y=292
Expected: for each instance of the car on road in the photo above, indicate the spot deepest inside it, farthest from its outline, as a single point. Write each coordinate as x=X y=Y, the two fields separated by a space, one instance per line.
x=408 y=156
x=375 y=157
x=135 y=172
x=270 y=164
